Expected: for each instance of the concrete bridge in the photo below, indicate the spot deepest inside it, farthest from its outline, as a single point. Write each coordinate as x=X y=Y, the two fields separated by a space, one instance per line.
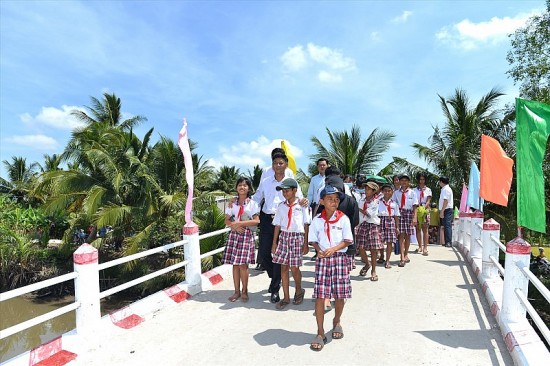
x=431 y=312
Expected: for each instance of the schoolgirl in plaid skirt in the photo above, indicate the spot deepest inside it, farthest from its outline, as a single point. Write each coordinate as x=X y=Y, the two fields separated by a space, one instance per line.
x=389 y=214
x=240 y=247
x=408 y=202
x=368 y=232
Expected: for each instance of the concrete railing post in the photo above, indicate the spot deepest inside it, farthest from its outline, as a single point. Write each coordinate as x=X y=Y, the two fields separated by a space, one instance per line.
x=467 y=230
x=518 y=253
x=192 y=253
x=461 y=221
x=456 y=233
x=86 y=288
x=475 y=230
x=490 y=248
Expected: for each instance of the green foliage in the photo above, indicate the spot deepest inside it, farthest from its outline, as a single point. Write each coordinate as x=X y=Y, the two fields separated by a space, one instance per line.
x=350 y=153
x=529 y=57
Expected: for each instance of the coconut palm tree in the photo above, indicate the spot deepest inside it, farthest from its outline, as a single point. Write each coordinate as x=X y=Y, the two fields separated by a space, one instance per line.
x=107 y=111
x=226 y=178
x=255 y=176
x=51 y=162
x=458 y=142
x=350 y=153
x=20 y=178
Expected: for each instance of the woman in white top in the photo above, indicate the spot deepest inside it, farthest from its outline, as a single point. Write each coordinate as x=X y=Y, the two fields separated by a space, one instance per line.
x=424 y=195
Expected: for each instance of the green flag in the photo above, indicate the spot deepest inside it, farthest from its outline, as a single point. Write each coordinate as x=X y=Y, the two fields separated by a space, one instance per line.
x=532 y=131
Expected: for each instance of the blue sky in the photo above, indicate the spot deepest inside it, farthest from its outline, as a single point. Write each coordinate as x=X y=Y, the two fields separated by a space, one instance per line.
x=246 y=74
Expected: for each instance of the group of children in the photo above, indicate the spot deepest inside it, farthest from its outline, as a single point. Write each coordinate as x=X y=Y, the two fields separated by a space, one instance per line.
x=385 y=216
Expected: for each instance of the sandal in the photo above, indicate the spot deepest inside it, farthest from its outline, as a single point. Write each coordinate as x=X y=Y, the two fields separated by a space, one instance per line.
x=401 y=264
x=381 y=260
x=281 y=304
x=425 y=253
x=318 y=343
x=364 y=271
x=374 y=278
x=387 y=265
x=299 y=298
x=416 y=250
x=337 y=332
x=407 y=260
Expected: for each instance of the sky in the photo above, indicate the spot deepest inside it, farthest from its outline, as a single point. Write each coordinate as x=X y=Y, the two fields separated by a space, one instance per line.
x=246 y=74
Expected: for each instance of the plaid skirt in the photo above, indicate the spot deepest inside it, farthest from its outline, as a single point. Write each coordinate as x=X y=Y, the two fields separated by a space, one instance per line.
x=332 y=277
x=240 y=248
x=387 y=229
x=405 y=222
x=368 y=236
x=289 y=249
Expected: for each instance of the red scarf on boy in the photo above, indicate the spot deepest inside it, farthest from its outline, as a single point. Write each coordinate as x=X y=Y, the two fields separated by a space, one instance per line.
x=339 y=215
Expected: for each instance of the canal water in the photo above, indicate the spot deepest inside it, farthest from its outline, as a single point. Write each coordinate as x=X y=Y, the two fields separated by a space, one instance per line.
x=20 y=309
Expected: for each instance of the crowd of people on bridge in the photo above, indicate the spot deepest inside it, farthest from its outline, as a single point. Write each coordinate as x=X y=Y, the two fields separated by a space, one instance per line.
x=340 y=219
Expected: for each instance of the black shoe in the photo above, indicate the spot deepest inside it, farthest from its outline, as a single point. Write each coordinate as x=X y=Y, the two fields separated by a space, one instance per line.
x=260 y=267
x=275 y=297
x=448 y=245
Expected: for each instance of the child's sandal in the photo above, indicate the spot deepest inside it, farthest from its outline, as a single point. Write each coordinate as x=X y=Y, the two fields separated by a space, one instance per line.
x=364 y=271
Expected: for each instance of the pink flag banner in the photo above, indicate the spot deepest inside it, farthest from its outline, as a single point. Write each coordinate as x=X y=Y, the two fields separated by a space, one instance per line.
x=183 y=143
x=464 y=199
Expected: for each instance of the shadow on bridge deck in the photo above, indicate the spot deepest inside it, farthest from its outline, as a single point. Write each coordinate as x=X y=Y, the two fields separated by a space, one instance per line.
x=431 y=312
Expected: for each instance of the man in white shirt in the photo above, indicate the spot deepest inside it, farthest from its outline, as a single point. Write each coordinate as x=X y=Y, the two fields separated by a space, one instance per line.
x=317 y=183
x=267 y=191
x=446 y=209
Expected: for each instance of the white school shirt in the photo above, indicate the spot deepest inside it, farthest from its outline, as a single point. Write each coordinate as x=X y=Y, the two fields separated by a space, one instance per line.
x=372 y=211
x=251 y=208
x=411 y=199
x=446 y=193
x=267 y=190
x=300 y=217
x=427 y=193
x=339 y=231
x=383 y=209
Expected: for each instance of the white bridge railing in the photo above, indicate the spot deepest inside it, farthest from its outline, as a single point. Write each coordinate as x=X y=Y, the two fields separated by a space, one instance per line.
x=86 y=277
x=505 y=288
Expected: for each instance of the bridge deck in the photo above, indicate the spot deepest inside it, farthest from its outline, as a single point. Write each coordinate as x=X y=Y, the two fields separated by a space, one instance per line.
x=431 y=312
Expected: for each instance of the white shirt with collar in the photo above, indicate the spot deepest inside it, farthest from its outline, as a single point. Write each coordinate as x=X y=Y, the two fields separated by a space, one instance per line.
x=446 y=193
x=339 y=231
x=411 y=199
x=427 y=193
x=383 y=208
x=268 y=192
x=300 y=216
x=371 y=208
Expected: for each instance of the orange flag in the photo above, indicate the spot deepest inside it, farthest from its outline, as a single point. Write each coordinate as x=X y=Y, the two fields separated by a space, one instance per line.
x=496 y=172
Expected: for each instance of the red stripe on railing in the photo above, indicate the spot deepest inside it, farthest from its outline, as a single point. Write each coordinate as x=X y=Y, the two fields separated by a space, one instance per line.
x=213 y=276
x=125 y=318
x=176 y=293
x=50 y=354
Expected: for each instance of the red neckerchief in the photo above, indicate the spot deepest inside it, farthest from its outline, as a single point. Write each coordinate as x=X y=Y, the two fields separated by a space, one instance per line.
x=403 y=197
x=421 y=194
x=290 y=212
x=241 y=208
x=367 y=201
x=339 y=215
x=388 y=206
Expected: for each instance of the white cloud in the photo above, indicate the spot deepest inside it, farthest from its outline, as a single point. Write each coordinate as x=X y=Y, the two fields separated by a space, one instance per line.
x=402 y=18
x=329 y=57
x=246 y=154
x=327 y=77
x=38 y=142
x=375 y=36
x=294 y=59
x=468 y=35
x=53 y=117
x=318 y=59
